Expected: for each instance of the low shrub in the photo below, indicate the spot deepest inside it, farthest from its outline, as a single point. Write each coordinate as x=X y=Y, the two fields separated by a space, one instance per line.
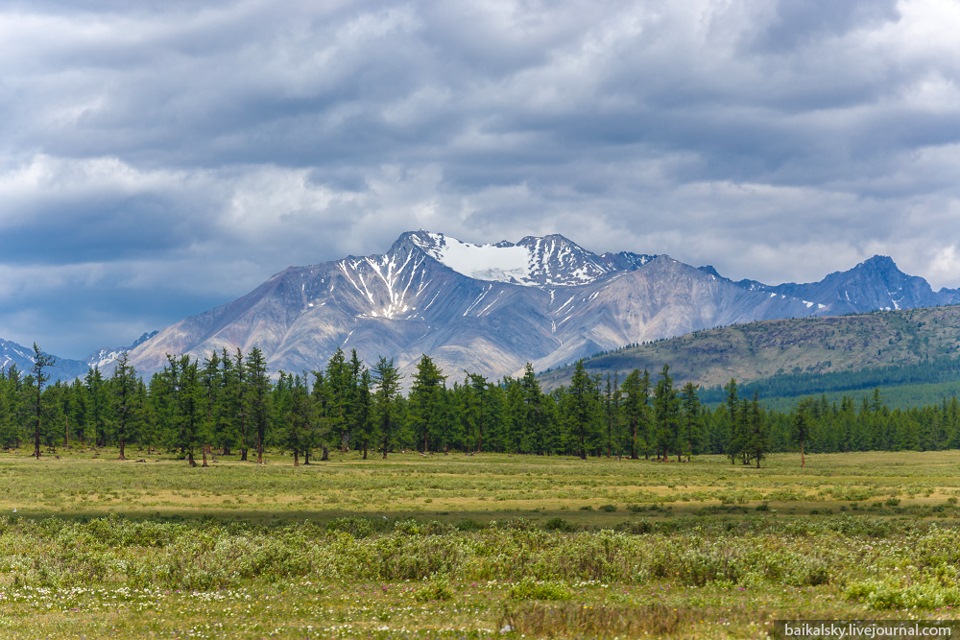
x=530 y=589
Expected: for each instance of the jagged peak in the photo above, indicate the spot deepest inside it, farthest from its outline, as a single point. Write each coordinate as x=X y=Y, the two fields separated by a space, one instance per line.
x=421 y=238
x=552 y=238
x=551 y=260
x=879 y=260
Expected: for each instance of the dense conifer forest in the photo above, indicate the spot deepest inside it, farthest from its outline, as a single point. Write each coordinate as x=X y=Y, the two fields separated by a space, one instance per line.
x=230 y=404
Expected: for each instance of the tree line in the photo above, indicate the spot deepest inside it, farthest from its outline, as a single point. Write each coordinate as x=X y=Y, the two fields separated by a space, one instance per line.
x=228 y=403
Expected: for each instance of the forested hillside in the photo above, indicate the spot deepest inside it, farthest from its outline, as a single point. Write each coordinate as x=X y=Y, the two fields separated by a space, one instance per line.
x=903 y=346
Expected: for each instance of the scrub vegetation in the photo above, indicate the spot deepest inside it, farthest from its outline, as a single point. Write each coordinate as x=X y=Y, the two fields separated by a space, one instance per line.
x=475 y=546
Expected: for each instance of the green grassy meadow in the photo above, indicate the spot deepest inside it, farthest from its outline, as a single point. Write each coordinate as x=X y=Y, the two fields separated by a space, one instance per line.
x=457 y=546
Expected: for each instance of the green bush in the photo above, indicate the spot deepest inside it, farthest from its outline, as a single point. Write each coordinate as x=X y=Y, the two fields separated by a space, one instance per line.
x=437 y=588
x=559 y=524
x=530 y=589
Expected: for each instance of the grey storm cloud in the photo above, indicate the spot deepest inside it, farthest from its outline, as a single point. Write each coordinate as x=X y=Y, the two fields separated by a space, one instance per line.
x=158 y=159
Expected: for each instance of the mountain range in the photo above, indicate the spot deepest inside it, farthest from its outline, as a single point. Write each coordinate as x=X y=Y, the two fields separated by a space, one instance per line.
x=13 y=354
x=490 y=309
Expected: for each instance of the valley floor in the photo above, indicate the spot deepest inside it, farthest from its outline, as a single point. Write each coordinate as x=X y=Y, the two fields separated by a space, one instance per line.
x=472 y=546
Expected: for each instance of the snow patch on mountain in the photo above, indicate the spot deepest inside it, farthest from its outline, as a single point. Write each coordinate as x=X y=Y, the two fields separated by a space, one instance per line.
x=533 y=262
x=499 y=263
x=106 y=357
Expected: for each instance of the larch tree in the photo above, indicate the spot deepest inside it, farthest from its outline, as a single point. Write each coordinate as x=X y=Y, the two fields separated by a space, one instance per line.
x=427 y=402
x=124 y=386
x=691 y=419
x=666 y=407
x=386 y=406
x=736 y=440
x=237 y=398
x=258 y=397
x=338 y=397
x=801 y=428
x=613 y=414
x=759 y=431
x=98 y=405
x=582 y=411
x=636 y=406
x=363 y=412
x=477 y=387
x=41 y=363
x=536 y=437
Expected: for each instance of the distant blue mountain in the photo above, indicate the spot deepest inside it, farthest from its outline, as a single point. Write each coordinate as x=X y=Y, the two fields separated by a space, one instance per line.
x=13 y=354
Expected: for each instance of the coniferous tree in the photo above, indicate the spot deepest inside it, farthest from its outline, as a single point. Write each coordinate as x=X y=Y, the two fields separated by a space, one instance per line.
x=238 y=402
x=736 y=440
x=294 y=409
x=257 y=396
x=98 y=405
x=582 y=411
x=184 y=409
x=666 y=408
x=225 y=432
x=41 y=362
x=319 y=394
x=613 y=415
x=536 y=436
x=515 y=415
x=339 y=394
x=757 y=428
x=636 y=390
x=801 y=428
x=77 y=413
x=11 y=397
x=386 y=406
x=427 y=402
x=211 y=381
x=478 y=390
x=691 y=420
x=363 y=413
x=126 y=401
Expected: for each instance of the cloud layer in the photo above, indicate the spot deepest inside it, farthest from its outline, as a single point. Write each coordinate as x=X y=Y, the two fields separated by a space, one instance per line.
x=156 y=161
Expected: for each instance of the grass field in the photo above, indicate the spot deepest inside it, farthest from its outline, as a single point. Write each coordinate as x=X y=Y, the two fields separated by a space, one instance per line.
x=455 y=546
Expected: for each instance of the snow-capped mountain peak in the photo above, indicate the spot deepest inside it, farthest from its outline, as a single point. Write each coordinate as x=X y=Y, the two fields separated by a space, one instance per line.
x=501 y=262
x=535 y=262
x=105 y=357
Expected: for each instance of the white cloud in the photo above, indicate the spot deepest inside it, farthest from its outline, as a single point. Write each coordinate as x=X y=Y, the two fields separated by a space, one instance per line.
x=170 y=150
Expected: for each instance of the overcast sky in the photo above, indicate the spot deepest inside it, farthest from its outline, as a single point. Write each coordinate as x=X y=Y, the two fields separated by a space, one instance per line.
x=157 y=159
